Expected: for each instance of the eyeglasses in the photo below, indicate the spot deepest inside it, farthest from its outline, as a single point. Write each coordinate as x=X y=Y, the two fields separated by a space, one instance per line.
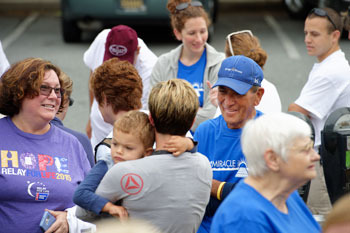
x=46 y=91
x=308 y=146
x=323 y=13
x=228 y=38
x=184 y=5
x=71 y=101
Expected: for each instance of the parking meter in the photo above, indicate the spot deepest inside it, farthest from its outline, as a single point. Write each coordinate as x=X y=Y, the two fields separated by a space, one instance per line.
x=304 y=190
x=335 y=153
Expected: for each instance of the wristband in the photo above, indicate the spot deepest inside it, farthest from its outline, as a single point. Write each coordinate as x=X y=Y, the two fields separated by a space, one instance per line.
x=218 y=193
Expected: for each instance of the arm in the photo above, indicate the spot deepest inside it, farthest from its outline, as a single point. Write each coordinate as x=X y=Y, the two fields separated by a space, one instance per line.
x=319 y=94
x=293 y=107
x=225 y=189
x=178 y=145
x=214 y=188
x=214 y=203
x=85 y=196
x=113 y=184
x=91 y=94
x=91 y=98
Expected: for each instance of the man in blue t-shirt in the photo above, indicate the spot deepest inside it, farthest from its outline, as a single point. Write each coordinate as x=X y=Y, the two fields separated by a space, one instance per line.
x=239 y=91
x=279 y=150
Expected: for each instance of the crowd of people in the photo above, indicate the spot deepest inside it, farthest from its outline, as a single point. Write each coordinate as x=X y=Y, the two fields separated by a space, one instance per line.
x=194 y=140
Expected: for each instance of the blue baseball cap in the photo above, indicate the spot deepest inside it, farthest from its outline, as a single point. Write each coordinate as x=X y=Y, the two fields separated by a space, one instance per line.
x=239 y=73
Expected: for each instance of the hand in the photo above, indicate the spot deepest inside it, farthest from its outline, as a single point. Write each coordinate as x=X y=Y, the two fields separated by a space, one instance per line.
x=88 y=129
x=61 y=223
x=213 y=94
x=116 y=211
x=178 y=145
x=119 y=212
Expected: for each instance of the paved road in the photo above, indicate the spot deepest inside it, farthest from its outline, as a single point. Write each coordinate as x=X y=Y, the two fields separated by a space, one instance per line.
x=27 y=34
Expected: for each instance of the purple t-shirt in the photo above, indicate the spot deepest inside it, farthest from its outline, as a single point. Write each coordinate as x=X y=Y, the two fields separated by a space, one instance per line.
x=37 y=172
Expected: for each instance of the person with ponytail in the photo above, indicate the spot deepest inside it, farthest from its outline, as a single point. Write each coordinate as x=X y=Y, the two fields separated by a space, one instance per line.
x=194 y=60
x=245 y=43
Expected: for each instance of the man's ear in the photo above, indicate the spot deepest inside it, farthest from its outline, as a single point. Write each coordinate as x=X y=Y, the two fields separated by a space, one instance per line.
x=151 y=119
x=336 y=36
x=272 y=160
x=177 y=35
x=148 y=151
x=259 y=94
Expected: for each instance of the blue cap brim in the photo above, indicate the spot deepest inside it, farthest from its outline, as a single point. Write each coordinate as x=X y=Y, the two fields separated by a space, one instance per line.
x=240 y=87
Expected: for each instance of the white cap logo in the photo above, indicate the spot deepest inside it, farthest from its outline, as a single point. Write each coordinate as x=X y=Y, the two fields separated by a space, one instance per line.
x=117 y=50
x=234 y=70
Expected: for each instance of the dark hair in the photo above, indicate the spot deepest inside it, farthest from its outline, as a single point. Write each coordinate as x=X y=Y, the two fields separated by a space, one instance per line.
x=23 y=80
x=179 y=18
x=334 y=16
x=119 y=82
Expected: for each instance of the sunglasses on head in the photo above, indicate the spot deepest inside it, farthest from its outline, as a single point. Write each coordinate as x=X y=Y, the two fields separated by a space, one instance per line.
x=323 y=13
x=184 y=5
x=47 y=90
x=228 y=38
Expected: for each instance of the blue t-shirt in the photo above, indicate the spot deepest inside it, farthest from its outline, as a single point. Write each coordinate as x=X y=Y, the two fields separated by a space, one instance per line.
x=222 y=146
x=246 y=210
x=194 y=74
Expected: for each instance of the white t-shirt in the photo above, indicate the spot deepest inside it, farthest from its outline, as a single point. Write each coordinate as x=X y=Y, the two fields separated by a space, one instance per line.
x=327 y=89
x=270 y=102
x=4 y=63
x=93 y=58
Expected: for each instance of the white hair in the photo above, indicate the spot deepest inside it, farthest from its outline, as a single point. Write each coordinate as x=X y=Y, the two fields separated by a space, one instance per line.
x=275 y=131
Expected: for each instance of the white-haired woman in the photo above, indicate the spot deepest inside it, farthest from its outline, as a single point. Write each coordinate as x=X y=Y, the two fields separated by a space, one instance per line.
x=281 y=158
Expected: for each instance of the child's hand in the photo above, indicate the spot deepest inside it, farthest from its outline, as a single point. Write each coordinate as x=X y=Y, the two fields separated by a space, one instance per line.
x=115 y=210
x=118 y=212
x=178 y=145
